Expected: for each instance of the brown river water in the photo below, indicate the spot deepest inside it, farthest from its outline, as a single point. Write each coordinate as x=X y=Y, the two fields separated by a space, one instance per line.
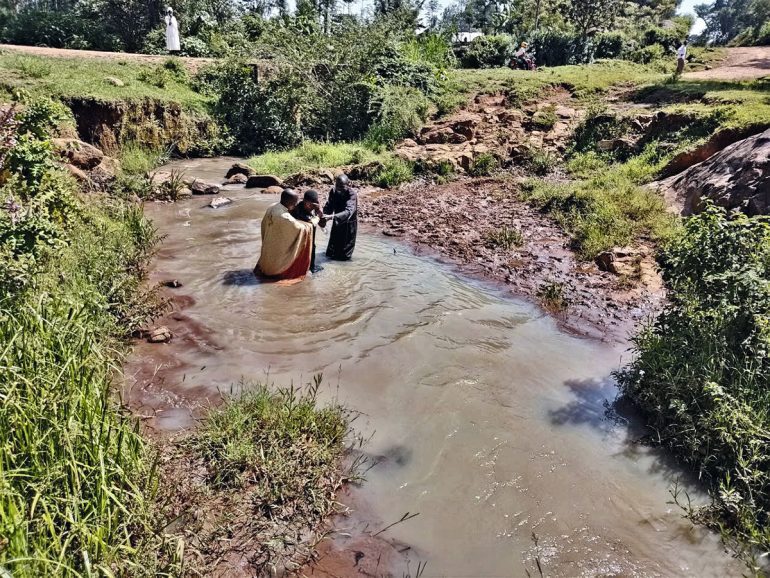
x=489 y=421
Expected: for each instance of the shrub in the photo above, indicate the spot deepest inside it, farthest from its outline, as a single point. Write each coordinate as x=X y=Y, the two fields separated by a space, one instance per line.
x=540 y=161
x=609 y=45
x=484 y=165
x=648 y=54
x=668 y=38
x=399 y=111
x=489 y=52
x=763 y=35
x=545 y=118
x=395 y=172
x=558 y=47
x=157 y=76
x=701 y=372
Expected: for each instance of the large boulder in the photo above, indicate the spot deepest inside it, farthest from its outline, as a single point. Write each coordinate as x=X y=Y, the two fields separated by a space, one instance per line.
x=106 y=171
x=738 y=177
x=263 y=182
x=78 y=153
x=237 y=179
x=204 y=188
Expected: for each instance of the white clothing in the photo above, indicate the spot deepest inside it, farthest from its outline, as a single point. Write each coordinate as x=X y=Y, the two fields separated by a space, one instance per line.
x=172 y=34
x=681 y=53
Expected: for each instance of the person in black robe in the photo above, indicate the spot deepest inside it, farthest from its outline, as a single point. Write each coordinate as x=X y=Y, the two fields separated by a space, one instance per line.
x=342 y=210
x=309 y=211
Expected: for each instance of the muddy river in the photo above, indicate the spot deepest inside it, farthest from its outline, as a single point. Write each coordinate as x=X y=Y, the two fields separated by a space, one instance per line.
x=487 y=419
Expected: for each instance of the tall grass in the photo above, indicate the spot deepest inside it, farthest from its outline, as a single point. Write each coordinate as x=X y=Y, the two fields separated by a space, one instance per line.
x=312 y=156
x=72 y=466
x=138 y=159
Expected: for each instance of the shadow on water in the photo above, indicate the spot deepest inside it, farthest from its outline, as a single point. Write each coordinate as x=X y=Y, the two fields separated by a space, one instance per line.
x=240 y=278
x=598 y=406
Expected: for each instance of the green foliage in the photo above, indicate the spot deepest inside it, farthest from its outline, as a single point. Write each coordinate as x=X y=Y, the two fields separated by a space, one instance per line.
x=608 y=209
x=137 y=159
x=609 y=44
x=489 y=52
x=538 y=160
x=552 y=298
x=311 y=156
x=702 y=369
x=42 y=117
x=394 y=173
x=484 y=165
x=399 y=112
x=648 y=54
x=545 y=118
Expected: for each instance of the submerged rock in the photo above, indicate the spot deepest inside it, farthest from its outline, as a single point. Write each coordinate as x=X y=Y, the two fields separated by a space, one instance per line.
x=272 y=191
x=203 y=188
x=219 y=202
x=263 y=182
x=237 y=179
x=738 y=177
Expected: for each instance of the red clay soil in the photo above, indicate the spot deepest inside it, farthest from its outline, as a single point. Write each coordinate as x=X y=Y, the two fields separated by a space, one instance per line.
x=453 y=221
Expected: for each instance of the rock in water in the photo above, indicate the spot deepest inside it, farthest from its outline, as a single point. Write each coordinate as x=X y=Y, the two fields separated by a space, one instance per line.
x=160 y=335
x=203 y=188
x=263 y=182
x=738 y=177
x=239 y=169
x=272 y=191
x=237 y=179
x=219 y=202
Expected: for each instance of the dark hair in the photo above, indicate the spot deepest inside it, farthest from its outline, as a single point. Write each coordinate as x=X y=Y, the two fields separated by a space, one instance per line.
x=288 y=196
x=311 y=196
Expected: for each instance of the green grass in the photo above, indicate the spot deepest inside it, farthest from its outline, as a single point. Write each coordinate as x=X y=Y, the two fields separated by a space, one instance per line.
x=584 y=81
x=136 y=159
x=86 y=77
x=73 y=469
x=272 y=460
x=312 y=156
x=609 y=206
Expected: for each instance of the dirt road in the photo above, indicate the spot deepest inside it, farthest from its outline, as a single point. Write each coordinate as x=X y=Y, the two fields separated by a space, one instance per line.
x=741 y=64
x=192 y=64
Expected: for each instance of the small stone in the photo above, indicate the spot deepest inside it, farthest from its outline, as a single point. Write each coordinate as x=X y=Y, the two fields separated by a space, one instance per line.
x=220 y=202
x=172 y=284
x=160 y=335
x=114 y=81
x=272 y=191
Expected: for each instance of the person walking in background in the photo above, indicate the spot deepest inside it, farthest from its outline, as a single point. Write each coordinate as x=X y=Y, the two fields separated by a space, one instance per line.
x=342 y=210
x=681 y=58
x=172 y=32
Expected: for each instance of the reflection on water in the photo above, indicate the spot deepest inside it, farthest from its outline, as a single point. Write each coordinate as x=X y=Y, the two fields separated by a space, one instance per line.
x=487 y=420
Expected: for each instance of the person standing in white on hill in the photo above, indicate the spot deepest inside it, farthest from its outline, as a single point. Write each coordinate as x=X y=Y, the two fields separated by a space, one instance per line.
x=681 y=57
x=172 y=32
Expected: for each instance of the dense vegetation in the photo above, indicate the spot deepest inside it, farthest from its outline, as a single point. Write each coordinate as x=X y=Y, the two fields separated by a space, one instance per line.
x=703 y=367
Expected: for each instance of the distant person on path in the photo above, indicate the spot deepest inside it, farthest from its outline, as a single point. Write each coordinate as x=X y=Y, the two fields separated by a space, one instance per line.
x=286 y=242
x=172 y=32
x=342 y=210
x=681 y=58
x=309 y=211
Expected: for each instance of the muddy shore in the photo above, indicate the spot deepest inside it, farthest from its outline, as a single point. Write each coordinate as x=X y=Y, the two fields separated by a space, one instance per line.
x=452 y=222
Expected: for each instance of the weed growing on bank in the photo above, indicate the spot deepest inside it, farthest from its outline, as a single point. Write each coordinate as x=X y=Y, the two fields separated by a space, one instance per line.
x=311 y=156
x=138 y=159
x=702 y=369
x=263 y=467
x=609 y=207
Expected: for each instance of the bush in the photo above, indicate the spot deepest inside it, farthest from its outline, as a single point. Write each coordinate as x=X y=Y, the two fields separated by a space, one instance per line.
x=558 y=48
x=702 y=369
x=763 y=35
x=668 y=38
x=489 y=52
x=648 y=54
x=395 y=172
x=484 y=165
x=609 y=45
x=399 y=112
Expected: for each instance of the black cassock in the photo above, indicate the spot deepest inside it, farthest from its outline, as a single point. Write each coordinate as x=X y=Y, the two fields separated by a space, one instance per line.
x=342 y=239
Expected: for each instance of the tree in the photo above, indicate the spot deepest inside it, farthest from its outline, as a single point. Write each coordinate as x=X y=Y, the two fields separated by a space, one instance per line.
x=589 y=16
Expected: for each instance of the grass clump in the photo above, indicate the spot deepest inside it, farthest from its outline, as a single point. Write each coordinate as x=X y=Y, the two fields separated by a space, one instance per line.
x=702 y=369
x=552 y=298
x=484 y=165
x=394 y=172
x=505 y=238
x=313 y=156
x=264 y=467
x=138 y=159
x=609 y=208
x=545 y=118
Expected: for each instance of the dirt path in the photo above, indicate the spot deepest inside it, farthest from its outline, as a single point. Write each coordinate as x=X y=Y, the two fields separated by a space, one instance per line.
x=192 y=64
x=741 y=64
